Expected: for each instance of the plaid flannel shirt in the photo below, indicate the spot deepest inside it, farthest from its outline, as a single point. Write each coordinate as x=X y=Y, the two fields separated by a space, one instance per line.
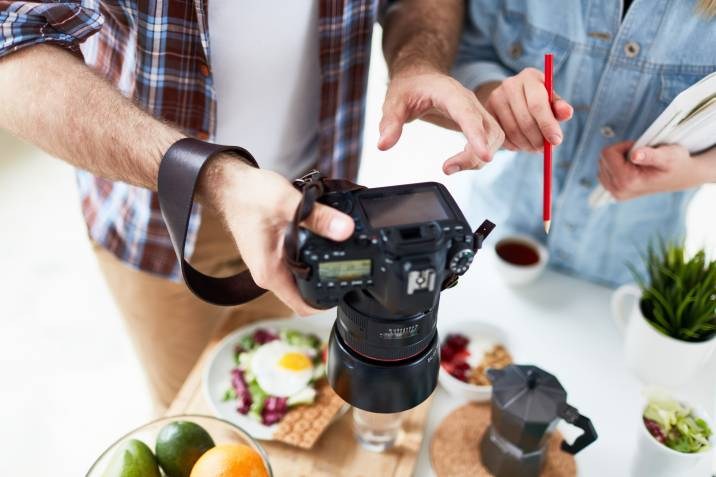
x=157 y=52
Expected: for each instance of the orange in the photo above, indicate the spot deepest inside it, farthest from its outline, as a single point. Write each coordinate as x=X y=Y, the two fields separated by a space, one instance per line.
x=230 y=460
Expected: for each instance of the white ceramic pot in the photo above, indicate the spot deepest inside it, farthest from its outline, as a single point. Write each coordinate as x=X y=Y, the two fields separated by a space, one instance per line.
x=522 y=274
x=654 y=459
x=656 y=359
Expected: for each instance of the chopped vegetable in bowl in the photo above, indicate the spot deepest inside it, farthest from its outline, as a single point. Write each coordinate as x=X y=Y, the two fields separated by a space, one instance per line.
x=275 y=371
x=675 y=425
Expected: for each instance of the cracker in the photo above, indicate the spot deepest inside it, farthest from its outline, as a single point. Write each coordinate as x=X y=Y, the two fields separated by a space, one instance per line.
x=303 y=425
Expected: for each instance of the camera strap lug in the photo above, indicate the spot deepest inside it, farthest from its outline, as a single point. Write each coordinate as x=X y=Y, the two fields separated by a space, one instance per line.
x=485 y=228
x=311 y=176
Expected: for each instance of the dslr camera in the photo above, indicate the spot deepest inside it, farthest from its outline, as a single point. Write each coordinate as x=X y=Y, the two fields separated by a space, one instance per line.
x=410 y=242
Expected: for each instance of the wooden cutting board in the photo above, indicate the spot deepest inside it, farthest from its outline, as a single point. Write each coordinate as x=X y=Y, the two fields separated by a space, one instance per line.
x=335 y=454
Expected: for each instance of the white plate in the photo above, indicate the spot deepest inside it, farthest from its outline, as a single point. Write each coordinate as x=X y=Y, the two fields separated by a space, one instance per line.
x=471 y=329
x=217 y=372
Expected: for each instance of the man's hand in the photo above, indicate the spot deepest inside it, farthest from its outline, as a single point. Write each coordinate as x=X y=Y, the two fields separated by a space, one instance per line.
x=420 y=38
x=521 y=105
x=650 y=170
x=440 y=99
x=257 y=206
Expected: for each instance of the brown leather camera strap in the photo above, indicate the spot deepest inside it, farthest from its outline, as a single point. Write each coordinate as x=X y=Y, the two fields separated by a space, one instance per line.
x=179 y=174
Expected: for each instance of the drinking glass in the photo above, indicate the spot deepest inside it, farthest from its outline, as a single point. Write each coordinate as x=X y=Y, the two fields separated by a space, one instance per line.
x=375 y=431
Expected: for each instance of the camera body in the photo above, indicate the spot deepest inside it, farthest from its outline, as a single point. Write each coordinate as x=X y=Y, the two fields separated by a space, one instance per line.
x=408 y=240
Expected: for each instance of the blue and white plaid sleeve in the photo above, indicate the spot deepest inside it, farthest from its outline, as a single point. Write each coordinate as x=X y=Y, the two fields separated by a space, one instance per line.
x=29 y=23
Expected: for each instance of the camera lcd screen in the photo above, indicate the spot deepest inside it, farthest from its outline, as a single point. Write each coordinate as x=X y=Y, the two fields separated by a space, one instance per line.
x=344 y=270
x=403 y=209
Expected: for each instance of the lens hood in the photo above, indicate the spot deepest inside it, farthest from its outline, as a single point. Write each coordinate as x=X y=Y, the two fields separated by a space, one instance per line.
x=381 y=386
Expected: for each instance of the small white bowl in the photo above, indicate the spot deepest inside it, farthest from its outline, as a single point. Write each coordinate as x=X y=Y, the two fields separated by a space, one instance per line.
x=654 y=459
x=470 y=329
x=521 y=274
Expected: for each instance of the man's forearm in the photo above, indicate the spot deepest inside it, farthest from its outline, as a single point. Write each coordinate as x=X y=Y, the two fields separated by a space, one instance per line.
x=51 y=99
x=422 y=34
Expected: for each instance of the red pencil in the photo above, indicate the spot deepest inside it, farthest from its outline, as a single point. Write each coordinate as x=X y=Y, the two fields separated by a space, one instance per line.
x=547 y=192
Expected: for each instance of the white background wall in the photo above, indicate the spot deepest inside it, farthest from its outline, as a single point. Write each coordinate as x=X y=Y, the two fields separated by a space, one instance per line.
x=69 y=381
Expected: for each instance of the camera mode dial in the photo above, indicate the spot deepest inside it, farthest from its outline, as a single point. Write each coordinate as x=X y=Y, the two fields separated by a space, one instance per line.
x=461 y=258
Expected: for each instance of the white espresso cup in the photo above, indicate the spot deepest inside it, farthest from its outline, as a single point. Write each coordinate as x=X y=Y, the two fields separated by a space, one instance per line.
x=656 y=359
x=654 y=459
x=514 y=274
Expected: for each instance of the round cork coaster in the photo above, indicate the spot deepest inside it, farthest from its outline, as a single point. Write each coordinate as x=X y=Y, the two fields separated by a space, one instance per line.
x=455 y=451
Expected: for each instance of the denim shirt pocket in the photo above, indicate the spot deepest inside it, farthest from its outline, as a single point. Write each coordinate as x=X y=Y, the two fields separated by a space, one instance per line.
x=673 y=83
x=520 y=45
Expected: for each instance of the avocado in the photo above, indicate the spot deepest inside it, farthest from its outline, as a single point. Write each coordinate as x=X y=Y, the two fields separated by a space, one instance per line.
x=132 y=459
x=179 y=446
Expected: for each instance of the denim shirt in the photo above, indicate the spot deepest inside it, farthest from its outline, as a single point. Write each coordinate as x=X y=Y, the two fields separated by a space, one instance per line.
x=619 y=76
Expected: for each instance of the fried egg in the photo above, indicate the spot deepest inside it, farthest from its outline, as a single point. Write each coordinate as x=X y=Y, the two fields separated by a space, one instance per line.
x=281 y=369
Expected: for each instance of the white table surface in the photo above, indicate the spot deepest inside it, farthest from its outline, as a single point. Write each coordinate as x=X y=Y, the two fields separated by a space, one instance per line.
x=563 y=325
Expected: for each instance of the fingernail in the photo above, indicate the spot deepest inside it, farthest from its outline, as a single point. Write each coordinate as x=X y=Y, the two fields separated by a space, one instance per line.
x=338 y=227
x=554 y=138
x=638 y=157
x=452 y=169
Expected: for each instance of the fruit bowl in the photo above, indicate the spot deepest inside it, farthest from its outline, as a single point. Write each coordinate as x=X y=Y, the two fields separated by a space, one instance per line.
x=221 y=432
x=473 y=330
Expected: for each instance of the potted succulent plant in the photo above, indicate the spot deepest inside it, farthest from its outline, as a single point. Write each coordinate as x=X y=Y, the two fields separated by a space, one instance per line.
x=679 y=294
x=671 y=324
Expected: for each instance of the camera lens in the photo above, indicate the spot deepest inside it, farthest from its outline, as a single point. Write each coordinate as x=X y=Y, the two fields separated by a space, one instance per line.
x=371 y=331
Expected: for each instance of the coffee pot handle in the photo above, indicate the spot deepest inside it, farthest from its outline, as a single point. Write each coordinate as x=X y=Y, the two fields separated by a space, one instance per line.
x=589 y=434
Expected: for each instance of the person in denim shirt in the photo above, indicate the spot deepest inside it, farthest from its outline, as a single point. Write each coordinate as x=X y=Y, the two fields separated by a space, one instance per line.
x=616 y=69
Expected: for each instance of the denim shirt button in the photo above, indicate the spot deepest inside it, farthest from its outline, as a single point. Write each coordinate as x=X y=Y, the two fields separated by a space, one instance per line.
x=586 y=182
x=516 y=50
x=561 y=255
x=632 y=49
x=607 y=131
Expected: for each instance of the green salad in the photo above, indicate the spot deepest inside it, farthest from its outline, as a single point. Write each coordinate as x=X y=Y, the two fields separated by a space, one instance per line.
x=675 y=425
x=274 y=371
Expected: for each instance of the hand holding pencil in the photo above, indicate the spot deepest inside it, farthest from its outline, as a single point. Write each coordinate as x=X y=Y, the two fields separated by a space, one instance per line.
x=529 y=115
x=521 y=106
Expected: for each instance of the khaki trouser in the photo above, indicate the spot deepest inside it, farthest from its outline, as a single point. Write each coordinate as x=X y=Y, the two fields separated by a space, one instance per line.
x=168 y=325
